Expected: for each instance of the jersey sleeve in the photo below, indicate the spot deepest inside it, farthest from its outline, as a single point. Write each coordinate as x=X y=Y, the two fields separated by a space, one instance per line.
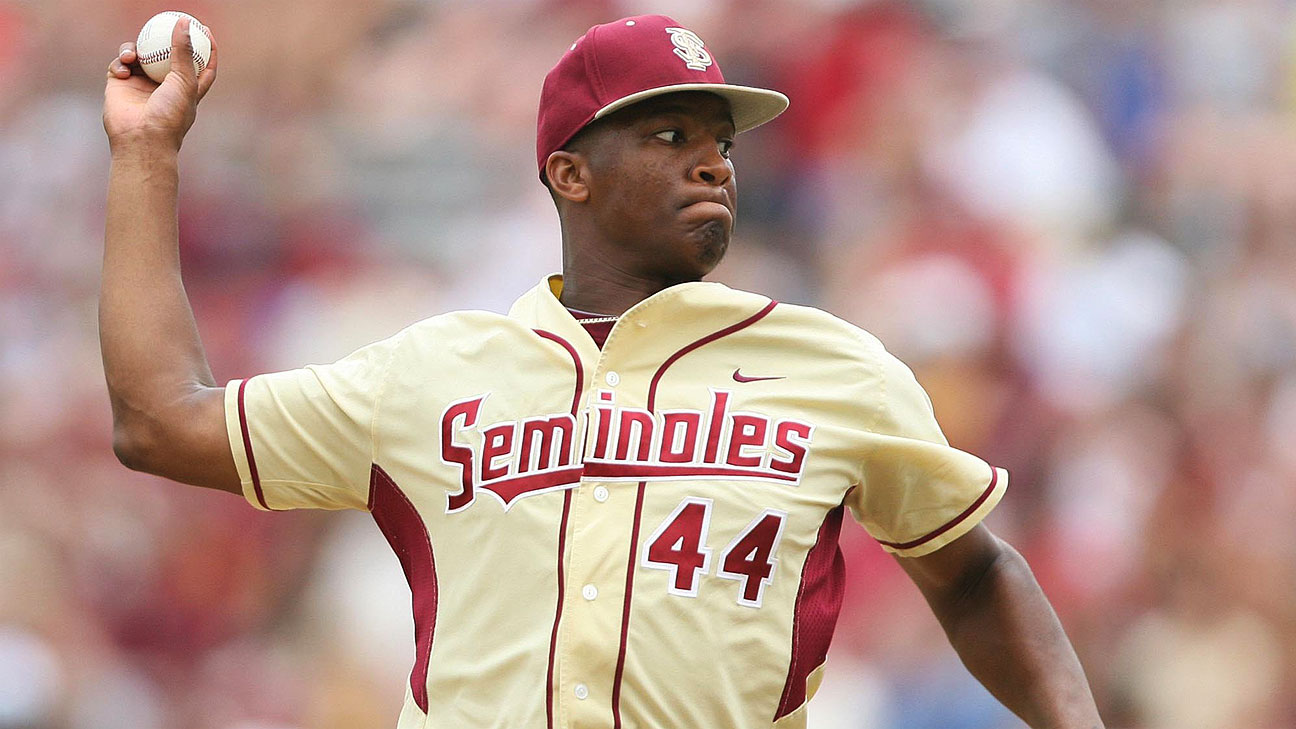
x=304 y=438
x=915 y=493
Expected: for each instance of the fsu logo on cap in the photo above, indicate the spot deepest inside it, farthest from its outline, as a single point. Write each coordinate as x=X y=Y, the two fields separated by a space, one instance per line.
x=690 y=47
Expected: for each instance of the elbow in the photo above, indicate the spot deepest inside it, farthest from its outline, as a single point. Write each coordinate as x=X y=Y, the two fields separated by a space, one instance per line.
x=140 y=429
x=131 y=446
x=176 y=439
x=126 y=449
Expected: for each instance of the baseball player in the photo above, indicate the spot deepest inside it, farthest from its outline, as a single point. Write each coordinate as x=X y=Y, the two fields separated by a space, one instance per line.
x=618 y=504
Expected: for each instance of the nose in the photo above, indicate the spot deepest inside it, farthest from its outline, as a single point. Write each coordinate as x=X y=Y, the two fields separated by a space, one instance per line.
x=712 y=168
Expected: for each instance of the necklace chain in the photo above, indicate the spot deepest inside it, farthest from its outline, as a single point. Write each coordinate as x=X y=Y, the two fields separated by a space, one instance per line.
x=599 y=320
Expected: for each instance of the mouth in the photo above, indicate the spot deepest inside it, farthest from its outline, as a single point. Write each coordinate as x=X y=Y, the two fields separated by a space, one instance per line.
x=709 y=209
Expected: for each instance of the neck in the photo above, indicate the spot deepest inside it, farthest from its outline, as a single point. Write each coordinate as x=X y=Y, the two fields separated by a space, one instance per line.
x=599 y=292
x=597 y=282
x=607 y=275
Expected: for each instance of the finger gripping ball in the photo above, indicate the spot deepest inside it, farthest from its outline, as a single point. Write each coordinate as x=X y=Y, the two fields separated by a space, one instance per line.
x=154 y=44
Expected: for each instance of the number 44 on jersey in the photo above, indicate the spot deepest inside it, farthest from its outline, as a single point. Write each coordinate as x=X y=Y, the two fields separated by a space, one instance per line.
x=678 y=546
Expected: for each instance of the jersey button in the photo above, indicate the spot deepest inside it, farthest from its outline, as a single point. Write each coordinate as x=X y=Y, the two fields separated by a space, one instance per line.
x=613 y=379
x=600 y=494
x=582 y=691
x=589 y=592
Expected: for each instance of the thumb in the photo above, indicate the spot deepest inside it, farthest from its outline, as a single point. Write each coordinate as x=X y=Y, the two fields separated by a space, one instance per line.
x=182 y=53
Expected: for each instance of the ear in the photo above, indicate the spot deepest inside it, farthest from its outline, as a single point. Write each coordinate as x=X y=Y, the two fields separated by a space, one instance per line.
x=568 y=174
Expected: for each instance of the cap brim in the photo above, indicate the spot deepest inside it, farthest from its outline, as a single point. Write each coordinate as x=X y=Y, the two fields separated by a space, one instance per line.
x=750 y=106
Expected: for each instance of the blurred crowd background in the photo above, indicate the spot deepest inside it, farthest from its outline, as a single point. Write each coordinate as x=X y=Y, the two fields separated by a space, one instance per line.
x=1076 y=220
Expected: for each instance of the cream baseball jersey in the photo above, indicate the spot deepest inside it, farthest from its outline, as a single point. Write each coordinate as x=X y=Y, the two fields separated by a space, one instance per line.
x=639 y=536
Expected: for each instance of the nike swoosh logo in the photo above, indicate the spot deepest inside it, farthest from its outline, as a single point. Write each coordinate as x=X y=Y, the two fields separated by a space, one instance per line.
x=740 y=377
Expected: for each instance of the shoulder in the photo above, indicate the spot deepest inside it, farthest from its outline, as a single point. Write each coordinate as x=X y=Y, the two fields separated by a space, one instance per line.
x=820 y=330
x=457 y=329
x=430 y=340
x=824 y=335
x=818 y=322
x=453 y=321
x=827 y=339
x=820 y=319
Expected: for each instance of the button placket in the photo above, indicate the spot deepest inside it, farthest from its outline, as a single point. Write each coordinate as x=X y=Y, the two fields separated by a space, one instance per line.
x=582 y=657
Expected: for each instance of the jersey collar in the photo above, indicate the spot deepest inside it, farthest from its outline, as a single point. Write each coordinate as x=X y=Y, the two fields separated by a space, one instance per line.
x=709 y=305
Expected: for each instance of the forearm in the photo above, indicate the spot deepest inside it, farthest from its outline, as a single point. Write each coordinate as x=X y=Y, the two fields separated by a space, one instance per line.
x=153 y=358
x=1008 y=636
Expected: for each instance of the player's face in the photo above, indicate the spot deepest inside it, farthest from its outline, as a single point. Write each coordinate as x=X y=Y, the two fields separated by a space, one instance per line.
x=663 y=186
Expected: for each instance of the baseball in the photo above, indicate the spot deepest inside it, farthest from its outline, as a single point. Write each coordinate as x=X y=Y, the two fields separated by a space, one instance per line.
x=154 y=44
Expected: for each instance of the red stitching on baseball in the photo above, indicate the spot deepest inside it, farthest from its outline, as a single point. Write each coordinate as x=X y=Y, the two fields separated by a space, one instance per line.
x=156 y=56
x=165 y=53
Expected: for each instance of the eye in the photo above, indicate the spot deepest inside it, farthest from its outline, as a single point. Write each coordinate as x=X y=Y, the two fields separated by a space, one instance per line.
x=670 y=135
x=725 y=145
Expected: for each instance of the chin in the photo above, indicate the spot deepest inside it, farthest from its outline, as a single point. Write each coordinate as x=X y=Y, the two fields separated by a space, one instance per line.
x=690 y=261
x=712 y=246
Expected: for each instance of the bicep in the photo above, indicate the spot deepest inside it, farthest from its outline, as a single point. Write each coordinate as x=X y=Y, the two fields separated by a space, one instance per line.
x=952 y=571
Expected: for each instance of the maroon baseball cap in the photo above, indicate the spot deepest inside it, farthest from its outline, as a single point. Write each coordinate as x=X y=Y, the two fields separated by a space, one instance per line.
x=619 y=63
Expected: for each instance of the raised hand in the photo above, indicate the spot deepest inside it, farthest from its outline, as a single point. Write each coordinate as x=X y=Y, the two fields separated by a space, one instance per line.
x=140 y=114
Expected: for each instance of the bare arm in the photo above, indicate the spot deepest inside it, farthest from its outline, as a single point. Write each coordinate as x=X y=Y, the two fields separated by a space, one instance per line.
x=1002 y=626
x=168 y=413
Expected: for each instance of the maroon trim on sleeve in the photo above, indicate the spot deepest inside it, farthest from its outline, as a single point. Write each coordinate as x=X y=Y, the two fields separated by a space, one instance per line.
x=247 y=447
x=994 y=479
x=562 y=528
x=639 y=499
x=818 y=601
x=407 y=534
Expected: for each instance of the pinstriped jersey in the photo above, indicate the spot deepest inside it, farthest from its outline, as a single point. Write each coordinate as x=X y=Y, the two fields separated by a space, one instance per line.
x=639 y=535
